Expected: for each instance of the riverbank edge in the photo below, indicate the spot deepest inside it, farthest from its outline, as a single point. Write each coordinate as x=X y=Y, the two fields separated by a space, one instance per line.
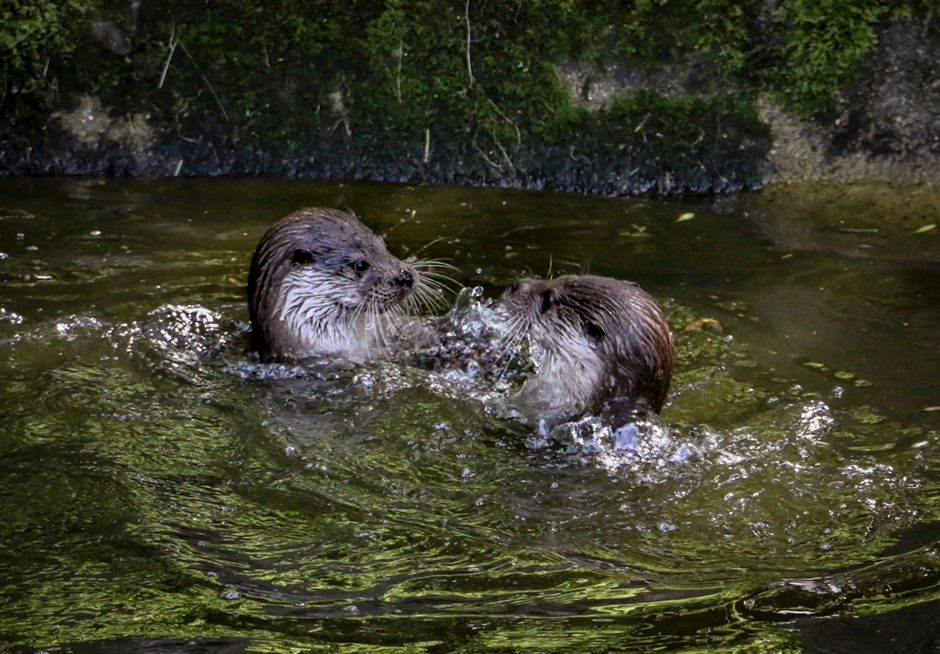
x=677 y=125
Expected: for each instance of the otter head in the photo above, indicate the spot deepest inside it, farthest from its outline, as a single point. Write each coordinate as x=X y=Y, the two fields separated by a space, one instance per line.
x=596 y=339
x=319 y=283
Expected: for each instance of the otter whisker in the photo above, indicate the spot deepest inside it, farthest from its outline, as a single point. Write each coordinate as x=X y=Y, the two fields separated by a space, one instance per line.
x=426 y=264
x=392 y=319
x=394 y=316
x=358 y=323
x=516 y=328
x=376 y=322
x=429 y=292
x=501 y=373
x=426 y=296
x=442 y=284
x=507 y=342
x=429 y=268
x=409 y=305
x=432 y=288
x=506 y=355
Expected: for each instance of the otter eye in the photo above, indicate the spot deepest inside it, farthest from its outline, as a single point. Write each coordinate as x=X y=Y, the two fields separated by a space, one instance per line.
x=301 y=257
x=513 y=288
x=546 y=301
x=594 y=332
x=361 y=266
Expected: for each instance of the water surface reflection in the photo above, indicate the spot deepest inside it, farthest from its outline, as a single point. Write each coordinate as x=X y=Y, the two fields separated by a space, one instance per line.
x=157 y=485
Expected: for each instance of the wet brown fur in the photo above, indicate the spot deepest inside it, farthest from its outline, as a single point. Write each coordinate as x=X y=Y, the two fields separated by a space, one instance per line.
x=598 y=339
x=307 y=294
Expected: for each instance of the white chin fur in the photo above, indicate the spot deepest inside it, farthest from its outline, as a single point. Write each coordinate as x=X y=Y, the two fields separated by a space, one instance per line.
x=321 y=326
x=566 y=375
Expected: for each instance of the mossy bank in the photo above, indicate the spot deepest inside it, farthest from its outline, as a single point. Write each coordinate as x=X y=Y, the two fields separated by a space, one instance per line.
x=650 y=96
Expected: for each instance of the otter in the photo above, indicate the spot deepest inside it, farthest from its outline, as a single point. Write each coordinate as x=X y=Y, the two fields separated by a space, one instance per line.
x=319 y=284
x=601 y=345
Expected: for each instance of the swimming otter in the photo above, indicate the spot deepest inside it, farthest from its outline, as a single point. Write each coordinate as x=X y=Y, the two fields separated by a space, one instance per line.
x=319 y=283
x=601 y=344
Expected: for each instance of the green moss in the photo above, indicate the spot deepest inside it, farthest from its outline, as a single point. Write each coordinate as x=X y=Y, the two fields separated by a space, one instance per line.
x=820 y=45
x=654 y=32
x=35 y=35
x=803 y=52
x=487 y=72
x=419 y=77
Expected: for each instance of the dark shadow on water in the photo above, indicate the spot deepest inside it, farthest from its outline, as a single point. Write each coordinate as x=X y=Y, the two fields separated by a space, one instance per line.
x=910 y=630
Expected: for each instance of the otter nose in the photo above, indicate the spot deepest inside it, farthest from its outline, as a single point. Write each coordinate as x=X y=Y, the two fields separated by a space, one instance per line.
x=404 y=278
x=521 y=286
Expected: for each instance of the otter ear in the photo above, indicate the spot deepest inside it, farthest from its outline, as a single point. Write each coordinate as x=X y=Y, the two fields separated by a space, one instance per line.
x=593 y=331
x=301 y=257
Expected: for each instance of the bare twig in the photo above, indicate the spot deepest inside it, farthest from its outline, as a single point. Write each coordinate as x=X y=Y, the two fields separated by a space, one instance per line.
x=401 y=222
x=204 y=79
x=507 y=119
x=466 y=20
x=400 y=53
x=166 y=66
x=492 y=163
x=519 y=229
x=450 y=238
x=509 y=162
x=429 y=244
x=427 y=144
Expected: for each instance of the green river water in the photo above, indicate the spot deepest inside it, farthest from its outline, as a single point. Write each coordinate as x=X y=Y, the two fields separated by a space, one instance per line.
x=160 y=492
